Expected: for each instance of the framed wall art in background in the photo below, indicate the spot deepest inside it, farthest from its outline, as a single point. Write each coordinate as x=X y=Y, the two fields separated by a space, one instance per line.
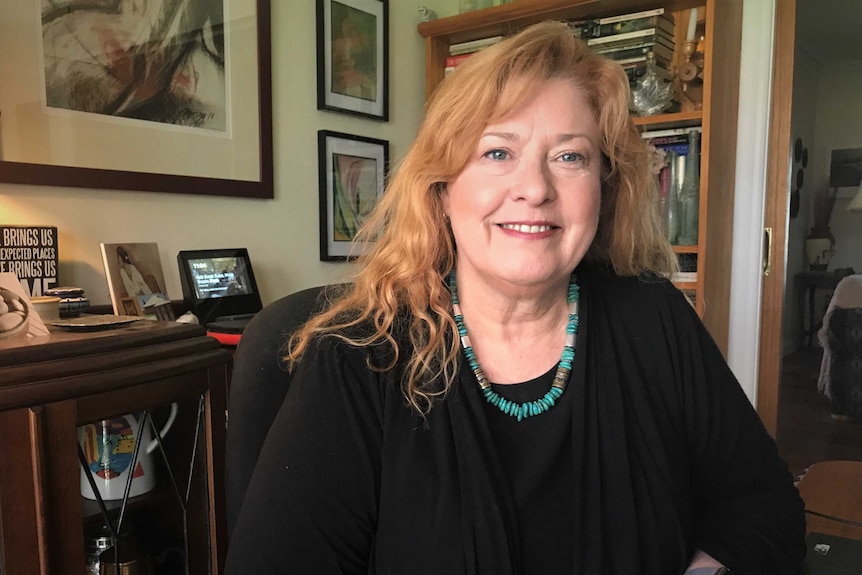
x=166 y=96
x=353 y=57
x=352 y=171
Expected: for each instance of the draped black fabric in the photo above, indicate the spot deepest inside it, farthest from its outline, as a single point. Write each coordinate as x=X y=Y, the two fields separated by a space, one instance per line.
x=667 y=456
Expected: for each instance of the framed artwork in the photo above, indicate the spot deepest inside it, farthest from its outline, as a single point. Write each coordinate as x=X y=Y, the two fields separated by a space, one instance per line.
x=845 y=171
x=352 y=177
x=353 y=57
x=135 y=280
x=162 y=96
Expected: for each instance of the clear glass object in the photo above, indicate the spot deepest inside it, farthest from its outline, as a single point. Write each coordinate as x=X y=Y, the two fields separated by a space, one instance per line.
x=671 y=203
x=689 y=193
x=651 y=95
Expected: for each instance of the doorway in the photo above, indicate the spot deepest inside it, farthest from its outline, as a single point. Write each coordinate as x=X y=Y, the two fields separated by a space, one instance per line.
x=815 y=44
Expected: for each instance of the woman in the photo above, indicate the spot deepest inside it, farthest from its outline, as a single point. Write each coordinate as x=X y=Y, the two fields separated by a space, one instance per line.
x=511 y=386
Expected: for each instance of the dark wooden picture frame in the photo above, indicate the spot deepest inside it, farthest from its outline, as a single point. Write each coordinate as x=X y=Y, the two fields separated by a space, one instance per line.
x=353 y=57
x=257 y=183
x=352 y=173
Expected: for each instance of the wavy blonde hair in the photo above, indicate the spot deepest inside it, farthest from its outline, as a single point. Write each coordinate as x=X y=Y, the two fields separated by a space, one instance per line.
x=404 y=270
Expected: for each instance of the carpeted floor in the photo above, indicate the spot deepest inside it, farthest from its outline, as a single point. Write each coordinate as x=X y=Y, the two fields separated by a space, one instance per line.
x=807 y=433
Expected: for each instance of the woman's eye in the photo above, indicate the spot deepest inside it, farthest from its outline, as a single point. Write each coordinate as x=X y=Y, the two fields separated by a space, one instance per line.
x=497 y=154
x=570 y=157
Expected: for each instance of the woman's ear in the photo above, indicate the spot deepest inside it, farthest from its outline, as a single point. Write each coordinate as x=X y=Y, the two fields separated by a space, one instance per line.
x=442 y=191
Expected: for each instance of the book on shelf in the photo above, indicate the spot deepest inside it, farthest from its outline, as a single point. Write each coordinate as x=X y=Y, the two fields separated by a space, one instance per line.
x=687 y=262
x=677 y=143
x=653 y=134
x=636 y=21
x=473 y=45
x=642 y=60
x=634 y=16
x=662 y=52
x=136 y=282
x=668 y=143
x=631 y=38
x=597 y=27
x=683 y=277
x=452 y=61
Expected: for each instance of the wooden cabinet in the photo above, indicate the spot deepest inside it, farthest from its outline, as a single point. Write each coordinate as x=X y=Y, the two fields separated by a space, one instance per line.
x=717 y=118
x=51 y=385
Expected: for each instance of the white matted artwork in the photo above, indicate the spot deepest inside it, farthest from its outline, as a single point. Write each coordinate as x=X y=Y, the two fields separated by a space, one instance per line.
x=156 y=89
x=352 y=174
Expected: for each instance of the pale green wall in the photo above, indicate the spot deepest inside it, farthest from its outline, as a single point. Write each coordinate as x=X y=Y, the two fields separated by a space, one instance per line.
x=281 y=234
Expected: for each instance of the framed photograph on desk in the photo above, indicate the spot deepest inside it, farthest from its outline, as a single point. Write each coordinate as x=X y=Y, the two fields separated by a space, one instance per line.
x=168 y=97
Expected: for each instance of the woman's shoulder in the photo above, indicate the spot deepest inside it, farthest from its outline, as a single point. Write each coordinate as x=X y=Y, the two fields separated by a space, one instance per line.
x=601 y=279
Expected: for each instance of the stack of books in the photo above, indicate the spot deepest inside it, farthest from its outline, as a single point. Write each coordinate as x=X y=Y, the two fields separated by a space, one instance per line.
x=463 y=50
x=630 y=38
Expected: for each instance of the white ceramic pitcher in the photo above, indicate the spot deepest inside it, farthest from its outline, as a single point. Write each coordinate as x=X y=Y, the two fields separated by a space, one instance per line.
x=108 y=447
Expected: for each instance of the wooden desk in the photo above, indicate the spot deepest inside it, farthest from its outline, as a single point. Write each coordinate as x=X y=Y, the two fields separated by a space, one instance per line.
x=833 y=488
x=51 y=385
x=807 y=284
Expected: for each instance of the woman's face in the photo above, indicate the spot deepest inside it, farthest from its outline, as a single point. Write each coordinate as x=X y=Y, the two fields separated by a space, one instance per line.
x=525 y=208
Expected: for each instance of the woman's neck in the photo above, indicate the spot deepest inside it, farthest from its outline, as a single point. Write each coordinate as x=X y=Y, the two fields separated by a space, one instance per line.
x=517 y=334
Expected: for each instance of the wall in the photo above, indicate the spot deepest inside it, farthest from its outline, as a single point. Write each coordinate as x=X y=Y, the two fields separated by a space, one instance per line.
x=281 y=234
x=839 y=125
x=806 y=74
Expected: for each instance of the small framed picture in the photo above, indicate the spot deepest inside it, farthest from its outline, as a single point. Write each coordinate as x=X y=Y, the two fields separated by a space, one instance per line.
x=353 y=57
x=352 y=171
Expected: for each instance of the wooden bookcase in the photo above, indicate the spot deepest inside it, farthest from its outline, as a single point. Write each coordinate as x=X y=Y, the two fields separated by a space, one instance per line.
x=717 y=118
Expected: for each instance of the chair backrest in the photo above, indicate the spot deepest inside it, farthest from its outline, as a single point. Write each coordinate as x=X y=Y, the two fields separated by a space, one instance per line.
x=844 y=344
x=259 y=385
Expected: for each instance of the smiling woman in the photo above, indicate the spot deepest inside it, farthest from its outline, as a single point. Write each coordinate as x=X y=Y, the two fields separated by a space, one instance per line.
x=512 y=385
x=525 y=208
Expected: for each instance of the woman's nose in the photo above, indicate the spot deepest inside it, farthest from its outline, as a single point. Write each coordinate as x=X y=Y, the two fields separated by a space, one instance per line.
x=534 y=182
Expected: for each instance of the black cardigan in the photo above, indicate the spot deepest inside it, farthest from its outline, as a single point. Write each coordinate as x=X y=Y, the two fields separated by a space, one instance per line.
x=669 y=456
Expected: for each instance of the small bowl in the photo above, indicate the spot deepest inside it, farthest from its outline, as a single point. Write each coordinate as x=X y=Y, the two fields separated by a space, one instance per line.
x=64 y=291
x=73 y=306
x=14 y=314
x=47 y=307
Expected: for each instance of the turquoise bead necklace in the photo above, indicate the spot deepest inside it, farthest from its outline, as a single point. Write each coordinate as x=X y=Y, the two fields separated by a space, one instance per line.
x=564 y=368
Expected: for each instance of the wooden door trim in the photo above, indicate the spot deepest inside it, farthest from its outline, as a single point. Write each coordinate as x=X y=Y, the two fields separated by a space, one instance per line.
x=775 y=216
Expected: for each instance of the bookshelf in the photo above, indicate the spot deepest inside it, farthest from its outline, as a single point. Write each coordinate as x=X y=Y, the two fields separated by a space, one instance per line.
x=722 y=25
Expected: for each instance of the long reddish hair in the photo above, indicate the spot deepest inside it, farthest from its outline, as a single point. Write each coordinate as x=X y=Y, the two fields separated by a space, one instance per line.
x=413 y=251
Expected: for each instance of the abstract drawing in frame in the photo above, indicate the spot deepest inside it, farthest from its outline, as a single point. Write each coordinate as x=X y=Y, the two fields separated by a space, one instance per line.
x=157 y=96
x=353 y=57
x=352 y=172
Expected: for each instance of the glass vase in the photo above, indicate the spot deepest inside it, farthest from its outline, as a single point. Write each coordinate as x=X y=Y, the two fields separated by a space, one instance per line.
x=670 y=215
x=689 y=192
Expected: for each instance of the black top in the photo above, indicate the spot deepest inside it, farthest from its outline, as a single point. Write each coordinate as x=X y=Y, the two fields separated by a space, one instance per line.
x=533 y=454
x=665 y=455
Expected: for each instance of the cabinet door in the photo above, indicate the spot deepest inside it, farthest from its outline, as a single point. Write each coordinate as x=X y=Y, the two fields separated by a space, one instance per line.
x=39 y=505
x=179 y=521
